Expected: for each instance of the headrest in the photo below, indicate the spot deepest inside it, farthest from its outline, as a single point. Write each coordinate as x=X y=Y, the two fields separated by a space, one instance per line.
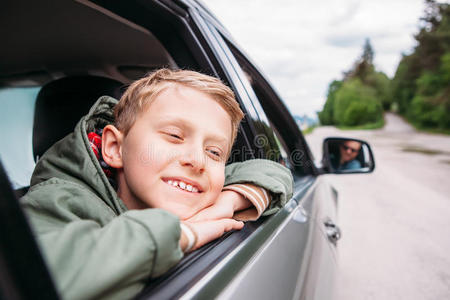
x=60 y=104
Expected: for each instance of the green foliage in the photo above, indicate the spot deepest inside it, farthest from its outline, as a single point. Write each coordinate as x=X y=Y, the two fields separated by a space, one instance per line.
x=326 y=115
x=359 y=98
x=363 y=67
x=428 y=83
x=420 y=89
x=421 y=84
x=445 y=68
x=356 y=104
x=426 y=114
x=368 y=126
x=403 y=85
x=381 y=83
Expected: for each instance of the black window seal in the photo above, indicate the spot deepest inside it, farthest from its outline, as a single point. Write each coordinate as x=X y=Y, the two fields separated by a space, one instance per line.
x=278 y=113
x=23 y=272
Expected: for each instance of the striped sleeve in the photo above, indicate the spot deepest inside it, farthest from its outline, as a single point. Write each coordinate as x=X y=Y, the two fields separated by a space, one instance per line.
x=258 y=196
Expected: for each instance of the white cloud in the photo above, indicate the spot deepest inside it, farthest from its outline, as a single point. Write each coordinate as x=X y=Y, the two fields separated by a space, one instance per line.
x=303 y=45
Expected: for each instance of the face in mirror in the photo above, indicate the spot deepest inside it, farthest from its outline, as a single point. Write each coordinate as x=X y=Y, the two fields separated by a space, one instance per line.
x=342 y=155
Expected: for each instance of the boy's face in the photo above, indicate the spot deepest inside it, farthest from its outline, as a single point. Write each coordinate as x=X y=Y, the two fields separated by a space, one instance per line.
x=174 y=155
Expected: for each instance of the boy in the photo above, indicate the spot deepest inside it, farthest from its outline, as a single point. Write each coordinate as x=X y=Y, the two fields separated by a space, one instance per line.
x=165 y=155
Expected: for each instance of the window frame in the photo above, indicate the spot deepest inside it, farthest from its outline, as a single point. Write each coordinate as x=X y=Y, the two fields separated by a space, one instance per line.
x=209 y=55
x=275 y=112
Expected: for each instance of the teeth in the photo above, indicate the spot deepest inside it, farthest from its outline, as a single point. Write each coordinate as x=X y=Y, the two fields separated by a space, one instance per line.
x=182 y=185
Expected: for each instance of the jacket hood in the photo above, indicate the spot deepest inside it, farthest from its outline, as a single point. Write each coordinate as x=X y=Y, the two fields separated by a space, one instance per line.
x=73 y=160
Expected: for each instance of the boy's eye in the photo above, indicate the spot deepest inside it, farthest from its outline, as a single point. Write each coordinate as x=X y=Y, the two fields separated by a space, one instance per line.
x=217 y=154
x=175 y=136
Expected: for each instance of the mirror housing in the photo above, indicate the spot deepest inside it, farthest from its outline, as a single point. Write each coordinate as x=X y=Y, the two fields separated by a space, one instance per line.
x=347 y=156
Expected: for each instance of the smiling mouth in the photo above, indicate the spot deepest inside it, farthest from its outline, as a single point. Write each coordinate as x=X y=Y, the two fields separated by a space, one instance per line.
x=182 y=185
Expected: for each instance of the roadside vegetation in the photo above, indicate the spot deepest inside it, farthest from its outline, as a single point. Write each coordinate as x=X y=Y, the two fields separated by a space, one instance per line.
x=309 y=130
x=419 y=91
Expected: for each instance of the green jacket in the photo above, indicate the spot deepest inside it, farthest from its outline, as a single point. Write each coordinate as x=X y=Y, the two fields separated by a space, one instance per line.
x=95 y=247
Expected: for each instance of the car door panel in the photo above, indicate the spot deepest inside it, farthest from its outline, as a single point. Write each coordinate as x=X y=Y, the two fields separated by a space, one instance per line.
x=319 y=281
x=295 y=262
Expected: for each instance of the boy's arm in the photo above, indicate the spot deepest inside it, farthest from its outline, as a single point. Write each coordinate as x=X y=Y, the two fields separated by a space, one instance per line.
x=94 y=254
x=273 y=177
x=89 y=261
x=250 y=188
x=250 y=201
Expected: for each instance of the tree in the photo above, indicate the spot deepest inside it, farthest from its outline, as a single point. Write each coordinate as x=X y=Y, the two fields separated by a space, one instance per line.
x=420 y=85
x=356 y=104
x=363 y=66
x=326 y=115
x=359 y=98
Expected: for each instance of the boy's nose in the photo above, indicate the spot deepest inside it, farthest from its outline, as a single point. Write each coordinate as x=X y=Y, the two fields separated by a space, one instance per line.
x=194 y=160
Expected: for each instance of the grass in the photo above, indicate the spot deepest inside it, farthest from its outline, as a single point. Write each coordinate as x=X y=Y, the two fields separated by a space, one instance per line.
x=309 y=130
x=423 y=150
x=431 y=130
x=420 y=128
x=368 y=126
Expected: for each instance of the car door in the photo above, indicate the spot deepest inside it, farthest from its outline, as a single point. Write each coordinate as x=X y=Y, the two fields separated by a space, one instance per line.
x=299 y=260
x=282 y=256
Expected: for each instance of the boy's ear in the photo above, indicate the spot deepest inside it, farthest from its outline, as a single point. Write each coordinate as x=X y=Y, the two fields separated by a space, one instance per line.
x=112 y=146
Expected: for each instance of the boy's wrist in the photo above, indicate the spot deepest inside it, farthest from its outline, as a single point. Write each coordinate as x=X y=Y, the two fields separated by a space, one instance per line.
x=183 y=241
x=238 y=200
x=188 y=238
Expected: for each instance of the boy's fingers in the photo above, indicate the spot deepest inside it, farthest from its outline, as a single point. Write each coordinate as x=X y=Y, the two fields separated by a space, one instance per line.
x=231 y=224
x=214 y=212
x=211 y=230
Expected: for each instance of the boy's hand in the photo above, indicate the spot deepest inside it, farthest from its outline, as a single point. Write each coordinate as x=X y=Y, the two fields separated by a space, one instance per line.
x=208 y=231
x=224 y=207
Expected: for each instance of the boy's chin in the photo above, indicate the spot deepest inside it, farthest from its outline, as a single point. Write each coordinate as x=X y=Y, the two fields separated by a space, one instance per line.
x=184 y=213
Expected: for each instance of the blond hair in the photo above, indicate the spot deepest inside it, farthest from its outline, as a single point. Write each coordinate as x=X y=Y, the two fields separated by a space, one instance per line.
x=143 y=91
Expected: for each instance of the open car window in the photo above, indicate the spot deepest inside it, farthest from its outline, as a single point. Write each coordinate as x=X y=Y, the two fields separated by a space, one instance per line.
x=55 y=66
x=286 y=146
x=112 y=44
x=108 y=45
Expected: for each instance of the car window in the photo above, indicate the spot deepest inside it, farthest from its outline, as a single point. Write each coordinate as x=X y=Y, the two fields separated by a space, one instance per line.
x=120 y=44
x=293 y=150
x=124 y=51
x=16 y=121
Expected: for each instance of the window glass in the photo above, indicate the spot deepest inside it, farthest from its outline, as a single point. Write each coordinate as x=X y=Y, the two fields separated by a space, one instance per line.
x=279 y=150
x=284 y=156
x=16 y=121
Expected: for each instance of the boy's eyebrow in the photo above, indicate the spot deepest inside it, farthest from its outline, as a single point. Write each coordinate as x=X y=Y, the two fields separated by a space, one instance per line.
x=187 y=124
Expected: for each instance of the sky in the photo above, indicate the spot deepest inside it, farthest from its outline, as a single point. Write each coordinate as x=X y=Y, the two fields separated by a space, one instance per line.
x=301 y=46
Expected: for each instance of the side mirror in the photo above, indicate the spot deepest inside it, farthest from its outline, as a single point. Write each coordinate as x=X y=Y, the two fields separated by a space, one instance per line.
x=344 y=156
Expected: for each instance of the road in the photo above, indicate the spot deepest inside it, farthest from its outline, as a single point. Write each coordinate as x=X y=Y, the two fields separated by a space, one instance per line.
x=395 y=221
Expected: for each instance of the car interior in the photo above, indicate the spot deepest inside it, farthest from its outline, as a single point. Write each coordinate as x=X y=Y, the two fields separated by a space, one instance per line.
x=56 y=65
x=65 y=63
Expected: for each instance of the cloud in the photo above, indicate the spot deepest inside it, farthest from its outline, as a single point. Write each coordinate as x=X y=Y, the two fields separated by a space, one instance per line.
x=345 y=13
x=303 y=45
x=344 y=40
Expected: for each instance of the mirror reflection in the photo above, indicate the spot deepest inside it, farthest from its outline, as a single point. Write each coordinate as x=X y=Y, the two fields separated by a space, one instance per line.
x=348 y=155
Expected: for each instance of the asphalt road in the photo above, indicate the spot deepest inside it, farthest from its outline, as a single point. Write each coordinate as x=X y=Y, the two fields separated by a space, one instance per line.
x=395 y=221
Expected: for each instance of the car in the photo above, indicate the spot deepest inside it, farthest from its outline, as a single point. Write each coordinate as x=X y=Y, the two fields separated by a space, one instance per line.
x=58 y=57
